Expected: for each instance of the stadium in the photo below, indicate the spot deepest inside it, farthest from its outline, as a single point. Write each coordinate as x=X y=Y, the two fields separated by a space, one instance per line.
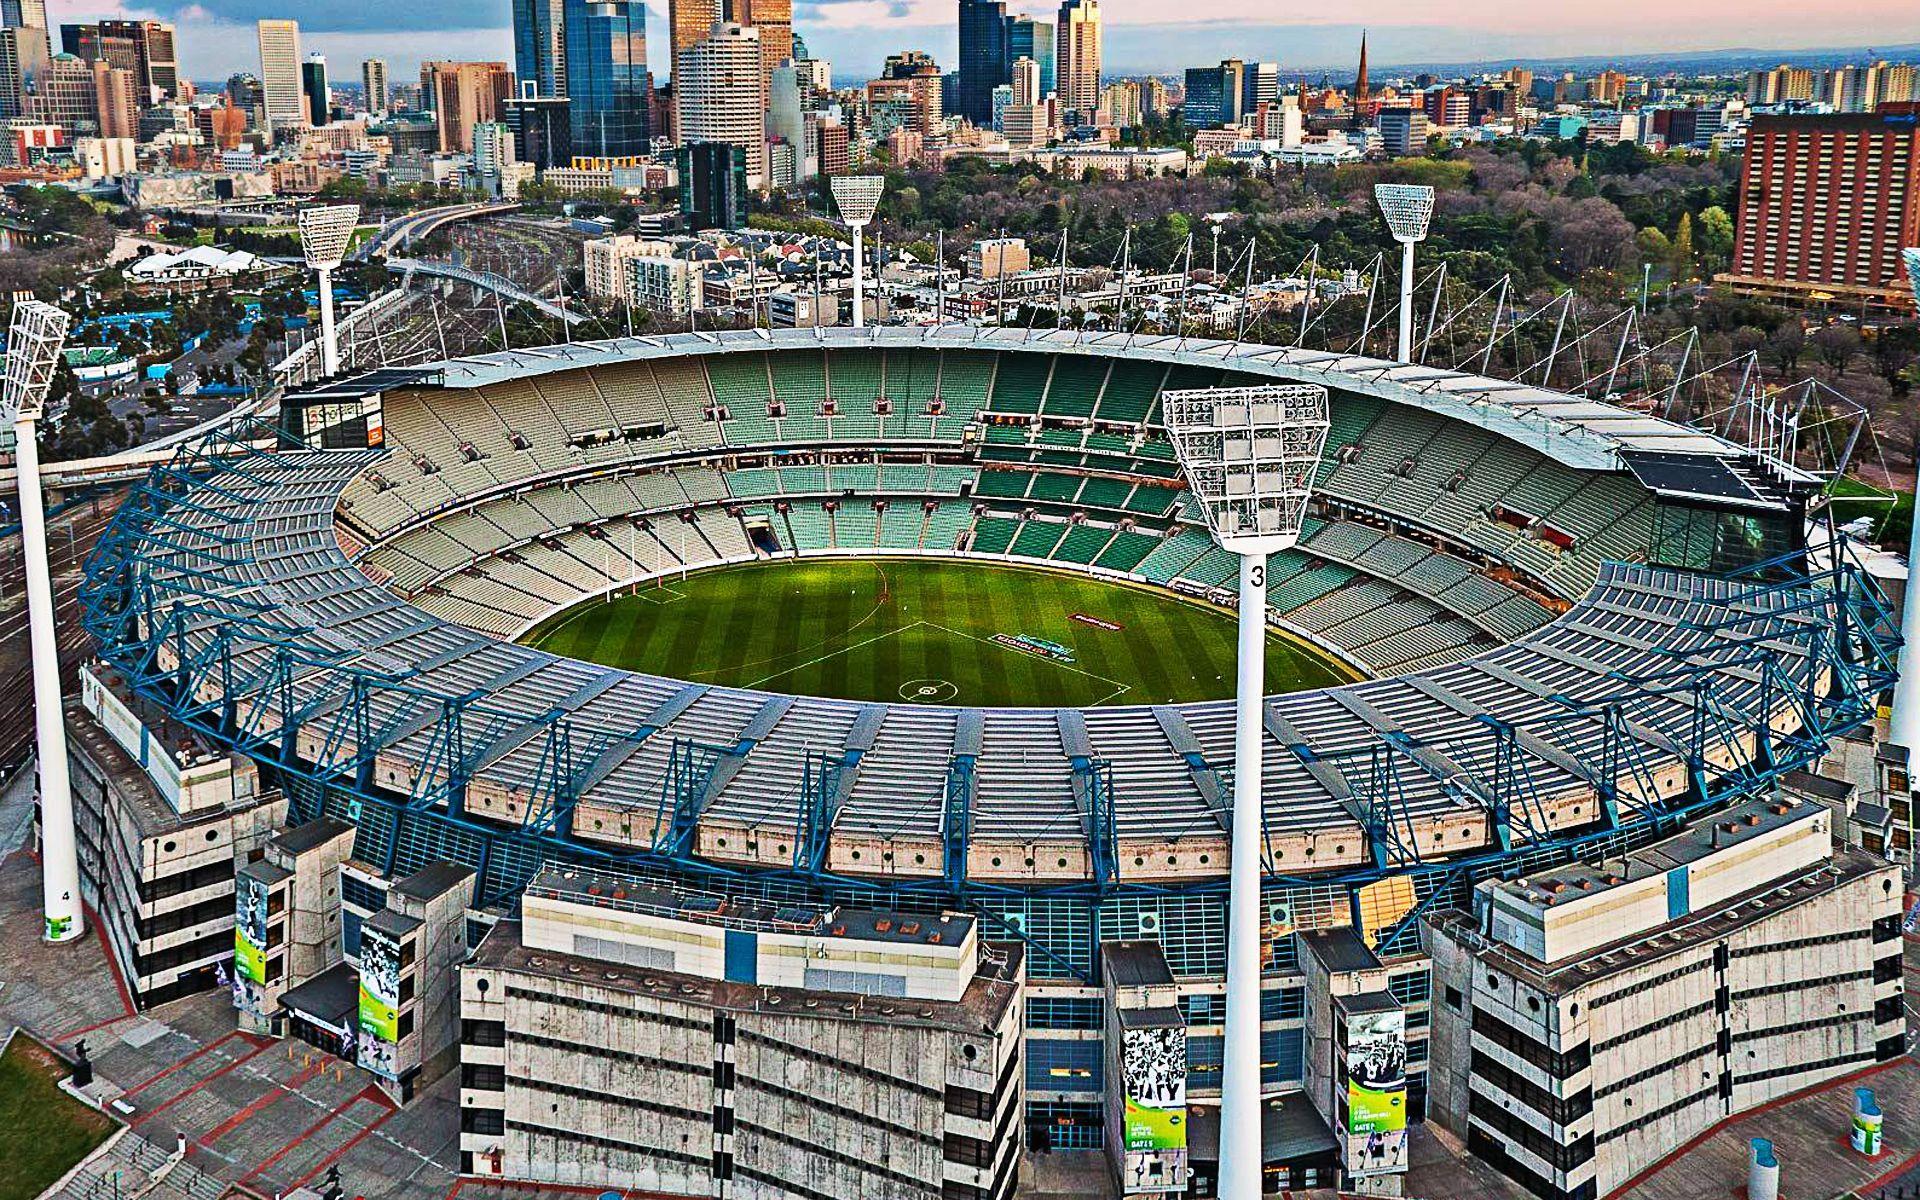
x=1520 y=627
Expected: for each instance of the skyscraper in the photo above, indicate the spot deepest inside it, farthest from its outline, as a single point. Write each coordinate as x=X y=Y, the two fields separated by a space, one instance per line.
x=1826 y=204
x=719 y=94
x=690 y=22
x=607 y=79
x=23 y=14
x=373 y=81
x=116 y=100
x=1214 y=95
x=984 y=60
x=313 y=86
x=539 y=49
x=774 y=20
x=280 y=74
x=462 y=95
x=1077 y=70
x=1029 y=37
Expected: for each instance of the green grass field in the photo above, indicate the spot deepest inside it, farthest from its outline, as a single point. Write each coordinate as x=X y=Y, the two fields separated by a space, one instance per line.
x=924 y=632
x=43 y=1130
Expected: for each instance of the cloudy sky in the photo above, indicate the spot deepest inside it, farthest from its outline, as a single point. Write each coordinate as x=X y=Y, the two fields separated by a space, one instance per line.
x=216 y=36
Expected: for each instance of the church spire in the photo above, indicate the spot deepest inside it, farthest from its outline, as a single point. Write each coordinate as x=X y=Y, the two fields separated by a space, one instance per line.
x=1361 y=92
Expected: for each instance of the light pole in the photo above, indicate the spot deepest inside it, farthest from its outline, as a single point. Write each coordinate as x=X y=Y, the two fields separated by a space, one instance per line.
x=1249 y=455
x=1905 y=720
x=857 y=196
x=1408 y=208
x=324 y=234
x=33 y=352
x=1217 y=219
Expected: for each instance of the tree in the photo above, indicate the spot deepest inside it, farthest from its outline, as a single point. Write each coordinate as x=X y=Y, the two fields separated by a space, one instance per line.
x=1716 y=235
x=1683 y=248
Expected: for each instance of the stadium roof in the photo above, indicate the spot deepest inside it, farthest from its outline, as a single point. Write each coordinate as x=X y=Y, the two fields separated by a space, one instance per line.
x=1582 y=433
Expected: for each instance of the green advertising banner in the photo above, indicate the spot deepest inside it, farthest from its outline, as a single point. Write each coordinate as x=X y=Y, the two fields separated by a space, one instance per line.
x=1376 y=1093
x=379 y=1003
x=1154 y=1119
x=250 y=929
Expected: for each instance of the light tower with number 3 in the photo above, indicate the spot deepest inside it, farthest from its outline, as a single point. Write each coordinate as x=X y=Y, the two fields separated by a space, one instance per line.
x=33 y=352
x=1408 y=208
x=1249 y=455
x=324 y=234
x=857 y=196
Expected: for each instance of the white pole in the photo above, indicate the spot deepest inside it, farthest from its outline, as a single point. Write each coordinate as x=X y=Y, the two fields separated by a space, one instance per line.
x=59 y=860
x=859 y=288
x=1406 y=302
x=1905 y=720
x=329 y=346
x=1240 y=1144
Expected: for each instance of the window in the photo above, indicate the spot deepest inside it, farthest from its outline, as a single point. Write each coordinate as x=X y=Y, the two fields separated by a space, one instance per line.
x=483 y=1033
x=490 y=1121
x=484 y=1077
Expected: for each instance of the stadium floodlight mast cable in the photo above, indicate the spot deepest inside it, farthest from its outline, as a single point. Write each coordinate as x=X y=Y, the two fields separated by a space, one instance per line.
x=1905 y=718
x=325 y=231
x=33 y=353
x=1249 y=455
x=857 y=196
x=1408 y=208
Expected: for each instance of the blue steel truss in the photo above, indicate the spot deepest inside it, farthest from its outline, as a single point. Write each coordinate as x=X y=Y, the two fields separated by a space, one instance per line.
x=167 y=606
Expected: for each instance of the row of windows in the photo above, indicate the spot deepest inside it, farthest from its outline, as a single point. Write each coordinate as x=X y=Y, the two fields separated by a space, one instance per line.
x=1838 y=1060
x=1564 y=1156
x=1066 y=1125
x=214 y=908
x=650 y=1061
x=1559 y=1064
x=841 y=1065
x=815 y=1100
x=865 y=1166
x=1661 y=1113
x=603 y=1096
x=1667 y=1021
x=1652 y=1072
x=1058 y=1065
x=1276 y=1004
x=205 y=875
x=1800 y=943
x=611 y=1010
x=1558 y=1110
x=213 y=944
x=1797 y=985
x=1487 y=1148
x=1647 y=985
x=1064 y=1012
x=976 y=1104
x=588 y=1139
x=1747 y=1035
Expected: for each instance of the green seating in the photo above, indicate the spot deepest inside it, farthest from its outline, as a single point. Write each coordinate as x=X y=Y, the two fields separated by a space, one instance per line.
x=992 y=535
x=1020 y=384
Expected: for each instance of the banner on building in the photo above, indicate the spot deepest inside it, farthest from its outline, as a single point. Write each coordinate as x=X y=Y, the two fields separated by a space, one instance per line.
x=379 y=1002
x=1376 y=1093
x=249 y=944
x=1154 y=1063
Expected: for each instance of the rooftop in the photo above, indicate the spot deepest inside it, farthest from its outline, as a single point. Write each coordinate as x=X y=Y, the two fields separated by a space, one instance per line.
x=433 y=880
x=632 y=893
x=1847 y=866
x=994 y=986
x=311 y=835
x=1565 y=884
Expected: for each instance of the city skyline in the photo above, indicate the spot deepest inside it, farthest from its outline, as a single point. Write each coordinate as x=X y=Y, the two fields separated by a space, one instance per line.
x=218 y=38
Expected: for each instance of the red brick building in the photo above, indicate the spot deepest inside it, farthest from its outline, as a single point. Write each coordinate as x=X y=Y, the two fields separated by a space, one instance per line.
x=1826 y=204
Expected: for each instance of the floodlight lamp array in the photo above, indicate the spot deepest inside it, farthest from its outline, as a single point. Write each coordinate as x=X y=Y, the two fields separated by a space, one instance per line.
x=857 y=196
x=33 y=352
x=1408 y=208
x=1250 y=455
x=325 y=231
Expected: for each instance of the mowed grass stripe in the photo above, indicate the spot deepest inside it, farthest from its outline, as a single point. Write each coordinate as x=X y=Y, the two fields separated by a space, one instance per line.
x=860 y=629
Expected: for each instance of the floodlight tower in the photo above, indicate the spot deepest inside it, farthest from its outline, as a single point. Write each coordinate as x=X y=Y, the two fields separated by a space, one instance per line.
x=324 y=233
x=33 y=351
x=856 y=196
x=1408 y=208
x=1905 y=722
x=1249 y=456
